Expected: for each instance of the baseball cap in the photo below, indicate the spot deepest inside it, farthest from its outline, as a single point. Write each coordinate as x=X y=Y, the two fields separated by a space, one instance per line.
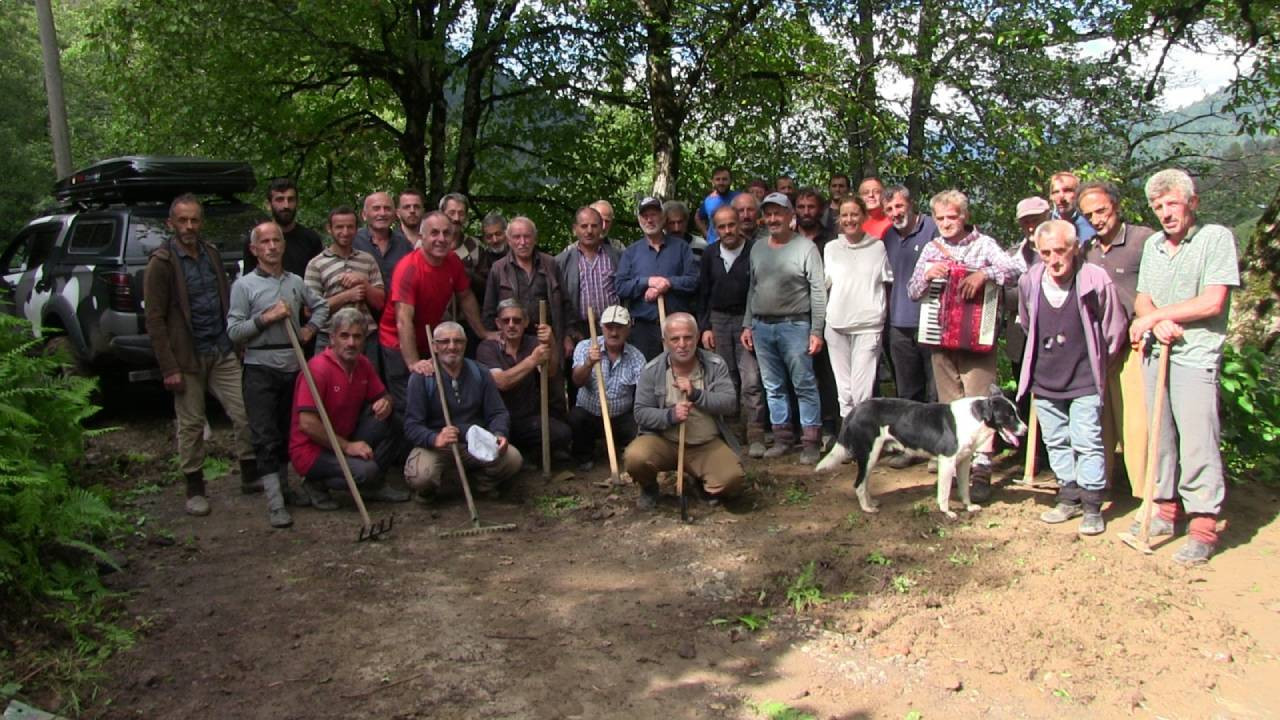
x=1032 y=206
x=615 y=314
x=648 y=202
x=776 y=198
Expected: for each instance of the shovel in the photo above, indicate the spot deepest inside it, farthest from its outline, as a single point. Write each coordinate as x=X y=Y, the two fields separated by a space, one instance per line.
x=614 y=477
x=368 y=531
x=477 y=528
x=1142 y=543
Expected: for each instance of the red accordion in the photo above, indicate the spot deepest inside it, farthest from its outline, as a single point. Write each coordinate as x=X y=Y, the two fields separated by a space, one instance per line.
x=950 y=322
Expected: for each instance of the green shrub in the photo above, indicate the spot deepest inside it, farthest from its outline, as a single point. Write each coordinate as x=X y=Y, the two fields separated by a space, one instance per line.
x=1250 y=414
x=51 y=529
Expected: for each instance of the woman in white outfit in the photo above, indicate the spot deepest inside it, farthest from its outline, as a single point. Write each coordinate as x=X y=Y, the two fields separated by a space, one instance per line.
x=857 y=269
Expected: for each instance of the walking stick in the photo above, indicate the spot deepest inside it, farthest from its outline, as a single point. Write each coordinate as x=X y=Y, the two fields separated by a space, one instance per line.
x=1142 y=543
x=662 y=311
x=1033 y=437
x=684 y=501
x=614 y=477
x=368 y=531
x=476 y=527
x=543 y=372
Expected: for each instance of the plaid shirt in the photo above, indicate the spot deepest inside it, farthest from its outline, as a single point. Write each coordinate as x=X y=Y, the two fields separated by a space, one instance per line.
x=975 y=251
x=620 y=378
x=595 y=284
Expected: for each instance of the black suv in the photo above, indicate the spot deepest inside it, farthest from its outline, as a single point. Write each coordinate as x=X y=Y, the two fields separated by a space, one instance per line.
x=76 y=271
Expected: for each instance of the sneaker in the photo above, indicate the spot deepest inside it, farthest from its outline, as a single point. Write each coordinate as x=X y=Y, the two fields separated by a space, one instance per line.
x=386 y=493
x=648 y=499
x=1193 y=552
x=1061 y=513
x=197 y=505
x=318 y=495
x=810 y=455
x=279 y=517
x=1092 y=524
x=1159 y=527
x=756 y=450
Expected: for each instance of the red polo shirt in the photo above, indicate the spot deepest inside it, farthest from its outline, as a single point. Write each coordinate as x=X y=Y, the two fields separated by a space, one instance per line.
x=344 y=396
x=428 y=288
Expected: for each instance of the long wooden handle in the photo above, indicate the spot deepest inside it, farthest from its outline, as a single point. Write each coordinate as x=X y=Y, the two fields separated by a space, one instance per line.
x=328 y=426
x=1153 y=445
x=444 y=407
x=1033 y=437
x=604 y=402
x=545 y=397
x=680 y=456
x=662 y=311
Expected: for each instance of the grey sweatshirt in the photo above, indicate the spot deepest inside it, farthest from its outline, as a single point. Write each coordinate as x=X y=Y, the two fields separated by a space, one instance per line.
x=268 y=345
x=787 y=281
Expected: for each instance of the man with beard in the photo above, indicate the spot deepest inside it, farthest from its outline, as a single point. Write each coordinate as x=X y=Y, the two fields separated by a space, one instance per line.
x=386 y=244
x=359 y=411
x=187 y=295
x=1062 y=193
x=657 y=266
x=721 y=194
x=493 y=248
x=346 y=277
x=748 y=208
x=261 y=302
x=783 y=324
x=811 y=207
x=903 y=241
x=691 y=387
x=724 y=277
x=473 y=399
x=301 y=242
x=871 y=191
x=410 y=207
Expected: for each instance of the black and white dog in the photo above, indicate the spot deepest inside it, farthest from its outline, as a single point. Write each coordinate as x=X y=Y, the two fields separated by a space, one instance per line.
x=951 y=432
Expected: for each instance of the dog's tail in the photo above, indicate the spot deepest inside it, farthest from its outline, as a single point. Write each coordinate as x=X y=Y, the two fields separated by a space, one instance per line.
x=834 y=459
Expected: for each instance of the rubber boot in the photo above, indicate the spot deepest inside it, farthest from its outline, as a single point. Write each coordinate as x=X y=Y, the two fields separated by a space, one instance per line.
x=196 y=502
x=1068 y=505
x=755 y=441
x=250 y=483
x=276 y=513
x=812 y=444
x=1092 y=524
x=782 y=440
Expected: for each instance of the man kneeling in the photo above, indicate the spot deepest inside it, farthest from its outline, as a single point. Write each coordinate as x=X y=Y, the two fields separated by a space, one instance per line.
x=473 y=400
x=358 y=406
x=684 y=385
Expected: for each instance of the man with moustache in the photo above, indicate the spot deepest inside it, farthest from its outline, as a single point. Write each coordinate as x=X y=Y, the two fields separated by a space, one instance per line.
x=301 y=242
x=359 y=412
x=261 y=302
x=346 y=277
x=587 y=267
x=724 y=277
x=473 y=399
x=493 y=248
x=657 y=266
x=871 y=190
x=387 y=245
x=1117 y=248
x=721 y=194
x=421 y=288
x=1062 y=193
x=1075 y=328
x=811 y=207
x=748 y=209
x=684 y=386
x=187 y=294
x=410 y=207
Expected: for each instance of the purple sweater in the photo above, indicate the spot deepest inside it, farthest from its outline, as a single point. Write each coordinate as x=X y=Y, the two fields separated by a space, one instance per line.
x=1106 y=324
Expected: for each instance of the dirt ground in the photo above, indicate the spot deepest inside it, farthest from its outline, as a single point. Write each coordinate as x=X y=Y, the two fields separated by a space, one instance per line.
x=592 y=609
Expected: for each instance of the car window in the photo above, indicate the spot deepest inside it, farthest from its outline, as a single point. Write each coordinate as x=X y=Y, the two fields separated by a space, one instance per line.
x=92 y=237
x=30 y=248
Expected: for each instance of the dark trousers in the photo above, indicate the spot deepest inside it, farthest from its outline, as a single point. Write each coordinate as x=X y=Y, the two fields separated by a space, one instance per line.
x=912 y=366
x=396 y=376
x=588 y=428
x=526 y=435
x=646 y=335
x=828 y=394
x=367 y=473
x=744 y=371
x=268 y=403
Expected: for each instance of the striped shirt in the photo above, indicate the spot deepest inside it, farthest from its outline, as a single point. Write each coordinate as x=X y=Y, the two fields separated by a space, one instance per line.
x=620 y=378
x=324 y=273
x=595 y=284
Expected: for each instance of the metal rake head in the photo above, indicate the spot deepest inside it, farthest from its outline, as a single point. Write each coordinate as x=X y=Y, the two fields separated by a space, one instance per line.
x=478 y=530
x=375 y=532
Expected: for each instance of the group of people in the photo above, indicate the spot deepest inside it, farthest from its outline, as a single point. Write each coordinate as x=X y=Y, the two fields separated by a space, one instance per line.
x=766 y=330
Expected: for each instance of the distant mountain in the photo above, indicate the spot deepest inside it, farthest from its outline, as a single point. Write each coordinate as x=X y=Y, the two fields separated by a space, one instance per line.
x=1204 y=127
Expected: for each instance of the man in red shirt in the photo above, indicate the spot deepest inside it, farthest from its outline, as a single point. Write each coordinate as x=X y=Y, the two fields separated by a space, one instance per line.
x=358 y=408
x=423 y=284
x=871 y=190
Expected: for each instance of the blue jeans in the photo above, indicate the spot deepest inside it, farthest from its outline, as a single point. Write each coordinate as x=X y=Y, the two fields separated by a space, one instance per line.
x=1072 y=432
x=782 y=352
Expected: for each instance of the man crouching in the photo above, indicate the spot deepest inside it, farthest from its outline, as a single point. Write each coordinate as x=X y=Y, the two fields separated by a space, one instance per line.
x=691 y=386
x=473 y=400
x=358 y=407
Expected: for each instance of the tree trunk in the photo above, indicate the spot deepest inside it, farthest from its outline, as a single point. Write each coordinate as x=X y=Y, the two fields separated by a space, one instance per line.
x=922 y=85
x=58 y=133
x=868 y=137
x=665 y=107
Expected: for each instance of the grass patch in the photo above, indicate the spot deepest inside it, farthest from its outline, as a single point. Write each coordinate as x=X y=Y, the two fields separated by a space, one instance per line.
x=215 y=467
x=557 y=505
x=774 y=710
x=750 y=622
x=902 y=584
x=804 y=592
x=875 y=557
x=796 y=495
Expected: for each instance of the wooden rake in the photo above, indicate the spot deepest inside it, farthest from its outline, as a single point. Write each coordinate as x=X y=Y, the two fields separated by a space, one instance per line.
x=477 y=527
x=368 y=531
